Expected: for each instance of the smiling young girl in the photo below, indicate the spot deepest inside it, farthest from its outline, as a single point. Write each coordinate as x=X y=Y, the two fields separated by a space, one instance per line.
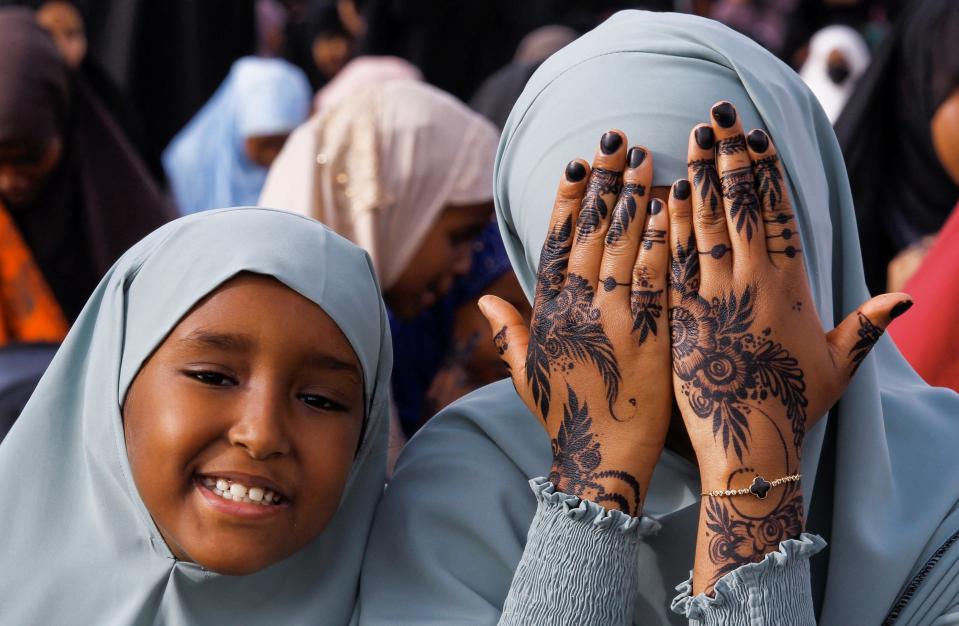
x=219 y=408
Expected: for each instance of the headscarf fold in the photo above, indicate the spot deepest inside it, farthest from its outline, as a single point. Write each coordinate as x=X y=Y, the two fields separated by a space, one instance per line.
x=900 y=188
x=380 y=166
x=206 y=162
x=876 y=483
x=85 y=547
x=100 y=199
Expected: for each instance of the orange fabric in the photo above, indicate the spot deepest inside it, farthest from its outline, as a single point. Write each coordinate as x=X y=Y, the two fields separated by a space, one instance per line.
x=28 y=309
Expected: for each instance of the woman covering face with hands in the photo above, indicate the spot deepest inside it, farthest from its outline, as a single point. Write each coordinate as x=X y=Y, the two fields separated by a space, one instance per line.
x=762 y=260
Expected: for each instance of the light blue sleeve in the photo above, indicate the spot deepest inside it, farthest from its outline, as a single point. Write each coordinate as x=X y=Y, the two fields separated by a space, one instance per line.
x=774 y=591
x=579 y=564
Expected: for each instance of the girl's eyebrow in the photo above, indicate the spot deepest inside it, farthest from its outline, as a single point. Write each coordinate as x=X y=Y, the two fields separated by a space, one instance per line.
x=243 y=343
x=231 y=342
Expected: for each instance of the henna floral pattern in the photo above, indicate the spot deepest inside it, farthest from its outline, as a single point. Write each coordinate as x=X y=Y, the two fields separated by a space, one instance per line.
x=736 y=539
x=577 y=459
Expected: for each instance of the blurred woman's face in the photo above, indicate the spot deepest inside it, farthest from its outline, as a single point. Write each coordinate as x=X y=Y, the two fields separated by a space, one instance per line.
x=65 y=25
x=25 y=169
x=445 y=252
x=945 y=135
x=263 y=149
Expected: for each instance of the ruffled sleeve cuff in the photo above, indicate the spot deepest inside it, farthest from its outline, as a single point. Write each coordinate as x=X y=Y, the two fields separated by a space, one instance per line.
x=776 y=590
x=579 y=565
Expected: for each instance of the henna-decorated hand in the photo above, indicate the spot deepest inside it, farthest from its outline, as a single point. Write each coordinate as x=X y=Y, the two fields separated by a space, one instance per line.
x=594 y=364
x=752 y=365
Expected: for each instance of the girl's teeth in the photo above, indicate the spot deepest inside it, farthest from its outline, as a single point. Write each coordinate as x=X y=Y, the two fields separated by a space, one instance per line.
x=240 y=493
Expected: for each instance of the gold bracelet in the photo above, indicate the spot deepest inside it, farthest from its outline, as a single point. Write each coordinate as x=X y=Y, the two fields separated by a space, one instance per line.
x=759 y=488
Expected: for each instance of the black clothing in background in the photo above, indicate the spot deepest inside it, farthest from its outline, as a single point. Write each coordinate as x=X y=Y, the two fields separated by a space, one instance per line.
x=21 y=366
x=169 y=55
x=496 y=96
x=899 y=186
x=99 y=200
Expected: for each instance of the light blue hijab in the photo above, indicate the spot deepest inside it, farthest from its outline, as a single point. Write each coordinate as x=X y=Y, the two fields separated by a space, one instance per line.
x=79 y=546
x=884 y=484
x=206 y=163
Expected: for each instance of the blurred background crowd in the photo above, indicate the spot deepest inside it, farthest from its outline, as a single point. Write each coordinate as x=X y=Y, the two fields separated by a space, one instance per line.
x=381 y=119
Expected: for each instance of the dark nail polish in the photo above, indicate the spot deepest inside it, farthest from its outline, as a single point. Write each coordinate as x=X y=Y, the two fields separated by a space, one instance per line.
x=724 y=114
x=636 y=157
x=900 y=308
x=705 y=137
x=575 y=172
x=758 y=140
x=681 y=189
x=610 y=142
x=655 y=206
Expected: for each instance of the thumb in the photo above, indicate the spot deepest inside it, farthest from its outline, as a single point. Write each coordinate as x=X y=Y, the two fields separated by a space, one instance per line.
x=510 y=335
x=853 y=339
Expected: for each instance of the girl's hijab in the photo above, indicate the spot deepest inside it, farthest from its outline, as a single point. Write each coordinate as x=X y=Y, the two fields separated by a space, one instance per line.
x=380 y=166
x=100 y=199
x=85 y=548
x=875 y=470
x=206 y=163
x=900 y=188
x=833 y=82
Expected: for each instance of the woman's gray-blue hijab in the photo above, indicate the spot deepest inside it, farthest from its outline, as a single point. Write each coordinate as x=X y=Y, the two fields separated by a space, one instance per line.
x=79 y=547
x=883 y=489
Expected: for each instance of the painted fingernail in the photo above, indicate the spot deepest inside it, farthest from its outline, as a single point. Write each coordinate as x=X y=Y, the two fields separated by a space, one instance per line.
x=705 y=137
x=655 y=206
x=900 y=308
x=635 y=157
x=610 y=142
x=758 y=140
x=575 y=172
x=725 y=114
x=681 y=189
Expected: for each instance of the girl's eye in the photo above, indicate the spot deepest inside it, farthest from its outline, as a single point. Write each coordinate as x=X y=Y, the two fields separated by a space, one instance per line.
x=322 y=402
x=214 y=379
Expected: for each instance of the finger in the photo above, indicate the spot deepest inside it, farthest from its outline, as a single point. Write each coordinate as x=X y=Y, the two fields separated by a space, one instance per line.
x=743 y=215
x=684 y=260
x=511 y=338
x=647 y=294
x=605 y=183
x=554 y=257
x=853 y=339
x=779 y=220
x=709 y=218
x=626 y=226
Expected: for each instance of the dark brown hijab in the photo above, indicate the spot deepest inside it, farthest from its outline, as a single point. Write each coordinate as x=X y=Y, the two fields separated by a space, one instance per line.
x=100 y=200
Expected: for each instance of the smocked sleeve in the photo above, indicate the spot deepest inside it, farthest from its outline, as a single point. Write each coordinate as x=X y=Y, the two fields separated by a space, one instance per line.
x=776 y=590
x=579 y=565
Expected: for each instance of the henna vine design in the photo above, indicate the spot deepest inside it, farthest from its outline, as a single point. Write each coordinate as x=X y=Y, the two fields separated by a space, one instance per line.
x=646 y=305
x=869 y=334
x=577 y=460
x=624 y=211
x=566 y=330
x=601 y=182
x=707 y=180
x=736 y=539
x=769 y=181
x=739 y=188
x=684 y=269
x=728 y=371
x=731 y=145
x=717 y=251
